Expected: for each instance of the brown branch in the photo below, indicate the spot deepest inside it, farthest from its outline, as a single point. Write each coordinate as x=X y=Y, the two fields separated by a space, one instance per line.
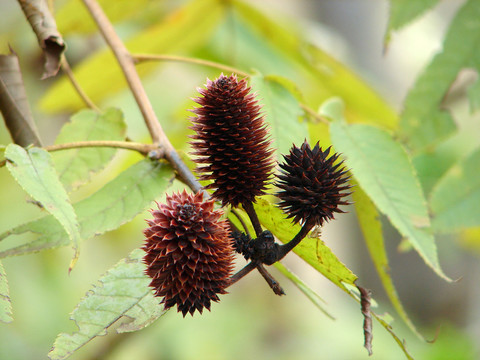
x=68 y=71
x=241 y=273
x=153 y=57
x=127 y=64
x=274 y=285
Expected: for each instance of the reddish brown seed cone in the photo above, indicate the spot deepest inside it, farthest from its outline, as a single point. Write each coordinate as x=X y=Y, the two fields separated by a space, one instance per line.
x=189 y=253
x=231 y=141
x=311 y=185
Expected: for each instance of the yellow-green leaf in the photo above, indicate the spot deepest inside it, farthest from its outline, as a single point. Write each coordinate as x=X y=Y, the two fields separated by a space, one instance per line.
x=312 y=250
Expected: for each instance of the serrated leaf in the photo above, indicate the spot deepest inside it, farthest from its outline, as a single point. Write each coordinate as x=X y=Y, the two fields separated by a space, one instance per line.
x=100 y=74
x=385 y=172
x=423 y=122
x=282 y=112
x=6 y=315
x=75 y=166
x=33 y=169
x=123 y=291
x=456 y=197
x=324 y=76
x=402 y=12
x=369 y=220
x=309 y=293
x=113 y=205
x=73 y=17
x=312 y=250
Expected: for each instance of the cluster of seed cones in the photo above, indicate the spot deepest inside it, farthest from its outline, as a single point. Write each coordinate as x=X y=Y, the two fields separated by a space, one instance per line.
x=189 y=249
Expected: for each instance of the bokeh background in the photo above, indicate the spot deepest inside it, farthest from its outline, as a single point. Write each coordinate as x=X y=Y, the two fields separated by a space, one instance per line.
x=250 y=322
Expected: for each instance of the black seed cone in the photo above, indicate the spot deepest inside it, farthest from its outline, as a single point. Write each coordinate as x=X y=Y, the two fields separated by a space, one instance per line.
x=231 y=141
x=189 y=253
x=311 y=184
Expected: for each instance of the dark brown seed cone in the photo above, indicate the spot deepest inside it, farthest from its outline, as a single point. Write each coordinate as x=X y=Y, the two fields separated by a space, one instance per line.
x=311 y=184
x=189 y=253
x=231 y=141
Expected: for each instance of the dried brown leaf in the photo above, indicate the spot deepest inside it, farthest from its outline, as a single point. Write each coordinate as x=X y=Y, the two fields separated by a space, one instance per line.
x=14 y=104
x=43 y=24
x=365 y=302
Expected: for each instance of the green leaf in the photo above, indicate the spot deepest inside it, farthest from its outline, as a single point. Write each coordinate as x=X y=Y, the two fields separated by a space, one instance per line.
x=113 y=205
x=403 y=11
x=312 y=250
x=100 y=74
x=309 y=293
x=75 y=166
x=5 y=304
x=385 y=172
x=322 y=75
x=33 y=169
x=369 y=220
x=123 y=292
x=283 y=113
x=423 y=122
x=456 y=197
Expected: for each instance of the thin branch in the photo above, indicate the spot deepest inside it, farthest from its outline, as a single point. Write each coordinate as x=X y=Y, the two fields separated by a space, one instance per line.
x=68 y=71
x=249 y=209
x=128 y=67
x=274 y=285
x=241 y=273
x=283 y=250
x=244 y=225
x=127 y=64
x=143 y=149
x=153 y=57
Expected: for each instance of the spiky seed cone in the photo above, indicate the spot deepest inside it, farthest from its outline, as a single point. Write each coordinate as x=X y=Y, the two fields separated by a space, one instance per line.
x=311 y=185
x=189 y=253
x=231 y=141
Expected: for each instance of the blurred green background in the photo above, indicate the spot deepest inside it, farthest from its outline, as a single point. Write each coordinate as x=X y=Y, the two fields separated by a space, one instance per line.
x=250 y=322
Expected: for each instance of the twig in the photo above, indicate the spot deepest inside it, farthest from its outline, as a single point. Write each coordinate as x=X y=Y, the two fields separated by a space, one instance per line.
x=244 y=225
x=127 y=64
x=154 y=57
x=274 y=285
x=283 y=250
x=248 y=207
x=141 y=148
x=241 y=273
x=144 y=149
x=68 y=71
